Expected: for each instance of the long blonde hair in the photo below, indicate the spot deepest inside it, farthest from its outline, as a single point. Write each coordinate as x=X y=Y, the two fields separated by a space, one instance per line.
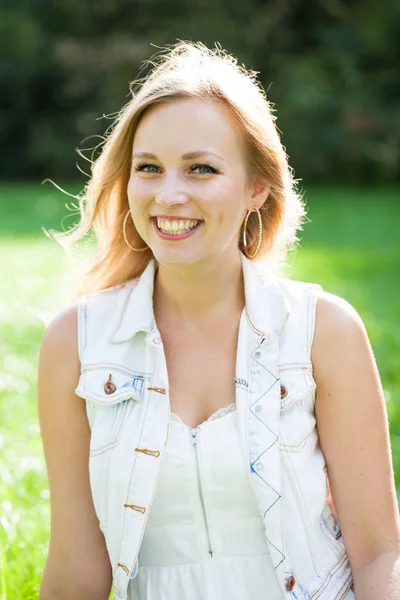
x=185 y=70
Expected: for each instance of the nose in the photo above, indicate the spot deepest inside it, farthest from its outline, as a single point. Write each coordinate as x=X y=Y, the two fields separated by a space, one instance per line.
x=171 y=191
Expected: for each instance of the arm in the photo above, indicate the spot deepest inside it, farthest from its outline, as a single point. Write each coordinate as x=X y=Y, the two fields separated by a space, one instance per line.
x=354 y=435
x=77 y=565
x=380 y=579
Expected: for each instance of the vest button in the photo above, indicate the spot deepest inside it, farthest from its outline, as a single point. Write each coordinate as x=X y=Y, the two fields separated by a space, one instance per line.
x=284 y=392
x=290 y=583
x=109 y=387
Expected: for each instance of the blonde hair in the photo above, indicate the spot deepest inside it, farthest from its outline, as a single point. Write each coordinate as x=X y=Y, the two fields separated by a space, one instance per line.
x=186 y=70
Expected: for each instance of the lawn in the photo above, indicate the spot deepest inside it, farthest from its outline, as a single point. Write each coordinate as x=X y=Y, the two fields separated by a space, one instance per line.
x=350 y=246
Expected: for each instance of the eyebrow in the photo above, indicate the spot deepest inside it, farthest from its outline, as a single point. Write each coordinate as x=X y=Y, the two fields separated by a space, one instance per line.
x=187 y=156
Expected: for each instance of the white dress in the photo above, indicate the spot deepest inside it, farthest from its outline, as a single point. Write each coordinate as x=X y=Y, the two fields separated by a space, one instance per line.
x=204 y=538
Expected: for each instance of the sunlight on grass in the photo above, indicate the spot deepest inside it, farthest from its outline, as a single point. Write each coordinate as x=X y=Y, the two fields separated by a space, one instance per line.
x=351 y=247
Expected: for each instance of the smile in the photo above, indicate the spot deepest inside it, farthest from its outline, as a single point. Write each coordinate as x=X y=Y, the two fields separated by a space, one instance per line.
x=175 y=229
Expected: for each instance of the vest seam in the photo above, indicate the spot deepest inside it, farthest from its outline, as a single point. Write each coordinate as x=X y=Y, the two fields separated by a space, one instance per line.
x=311 y=316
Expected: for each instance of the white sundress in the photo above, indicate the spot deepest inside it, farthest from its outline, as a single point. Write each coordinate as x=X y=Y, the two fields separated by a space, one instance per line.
x=204 y=538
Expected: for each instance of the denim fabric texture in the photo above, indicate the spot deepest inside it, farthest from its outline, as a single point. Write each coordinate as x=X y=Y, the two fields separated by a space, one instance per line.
x=119 y=343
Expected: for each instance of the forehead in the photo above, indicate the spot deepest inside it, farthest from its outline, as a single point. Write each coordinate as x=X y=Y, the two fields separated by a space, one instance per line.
x=187 y=125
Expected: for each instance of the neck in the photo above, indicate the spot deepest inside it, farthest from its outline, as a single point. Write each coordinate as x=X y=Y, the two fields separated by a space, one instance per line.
x=199 y=293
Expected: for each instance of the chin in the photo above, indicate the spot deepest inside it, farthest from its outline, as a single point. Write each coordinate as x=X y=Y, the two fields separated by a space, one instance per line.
x=178 y=257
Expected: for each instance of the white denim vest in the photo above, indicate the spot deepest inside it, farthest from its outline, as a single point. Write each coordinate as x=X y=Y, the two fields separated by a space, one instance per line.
x=124 y=382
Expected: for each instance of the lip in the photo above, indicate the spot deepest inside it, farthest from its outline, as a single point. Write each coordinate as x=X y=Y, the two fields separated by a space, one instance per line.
x=175 y=218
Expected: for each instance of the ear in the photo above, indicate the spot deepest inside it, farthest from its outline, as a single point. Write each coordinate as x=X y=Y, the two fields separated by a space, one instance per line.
x=259 y=194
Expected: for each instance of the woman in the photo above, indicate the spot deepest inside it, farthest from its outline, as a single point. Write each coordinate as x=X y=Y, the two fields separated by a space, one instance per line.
x=233 y=439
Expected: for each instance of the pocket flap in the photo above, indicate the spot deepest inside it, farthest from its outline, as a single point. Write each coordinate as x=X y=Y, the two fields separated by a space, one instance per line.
x=295 y=384
x=109 y=385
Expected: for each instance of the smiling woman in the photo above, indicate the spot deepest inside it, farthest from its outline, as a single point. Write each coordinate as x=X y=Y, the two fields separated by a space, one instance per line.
x=233 y=437
x=177 y=189
x=218 y=142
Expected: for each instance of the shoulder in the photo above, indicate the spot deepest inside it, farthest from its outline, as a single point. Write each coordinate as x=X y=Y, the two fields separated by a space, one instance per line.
x=62 y=332
x=334 y=315
x=340 y=337
x=62 y=326
x=331 y=327
x=336 y=320
x=59 y=362
x=60 y=339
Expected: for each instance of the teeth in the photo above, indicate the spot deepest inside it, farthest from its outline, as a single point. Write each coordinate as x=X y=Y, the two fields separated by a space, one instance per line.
x=176 y=226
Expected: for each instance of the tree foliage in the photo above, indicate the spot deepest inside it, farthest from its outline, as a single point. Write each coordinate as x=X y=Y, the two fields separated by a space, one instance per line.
x=331 y=68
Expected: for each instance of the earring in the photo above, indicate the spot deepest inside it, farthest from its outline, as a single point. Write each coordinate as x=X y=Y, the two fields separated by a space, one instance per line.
x=259 y=235
x=126 y=239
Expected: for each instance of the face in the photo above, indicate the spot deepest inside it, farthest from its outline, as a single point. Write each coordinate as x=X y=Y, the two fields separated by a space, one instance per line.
x=187 y=188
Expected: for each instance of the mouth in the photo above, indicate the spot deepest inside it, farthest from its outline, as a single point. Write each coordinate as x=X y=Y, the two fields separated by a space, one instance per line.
x=176 y=229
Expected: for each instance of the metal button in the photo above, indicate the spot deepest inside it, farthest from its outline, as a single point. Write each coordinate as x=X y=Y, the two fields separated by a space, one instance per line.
x=290 y=583
x=284 y=392
x=109 y=387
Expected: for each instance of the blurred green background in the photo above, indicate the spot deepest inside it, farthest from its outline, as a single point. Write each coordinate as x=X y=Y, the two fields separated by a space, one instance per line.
x=332 y=70
x=330 y=66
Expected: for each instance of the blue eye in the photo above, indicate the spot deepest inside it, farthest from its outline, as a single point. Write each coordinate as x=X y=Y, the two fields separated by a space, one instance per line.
x=142 y=166
x=207 y=166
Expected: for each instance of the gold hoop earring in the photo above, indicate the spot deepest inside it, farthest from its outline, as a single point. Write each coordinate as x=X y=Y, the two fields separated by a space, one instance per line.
x=126 y=239
x=259 y=235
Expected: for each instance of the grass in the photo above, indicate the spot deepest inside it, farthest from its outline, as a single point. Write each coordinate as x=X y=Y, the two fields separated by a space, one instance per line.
x=351 y=247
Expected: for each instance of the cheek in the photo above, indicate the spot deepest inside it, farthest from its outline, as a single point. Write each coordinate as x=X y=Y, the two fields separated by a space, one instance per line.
x=137 y=189
x=131 y=189
x=219 y=194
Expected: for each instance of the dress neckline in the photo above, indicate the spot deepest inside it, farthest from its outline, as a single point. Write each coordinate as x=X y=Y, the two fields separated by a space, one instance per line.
x=218 y=414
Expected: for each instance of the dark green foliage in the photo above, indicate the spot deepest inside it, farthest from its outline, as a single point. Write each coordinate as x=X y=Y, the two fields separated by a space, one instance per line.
x=331 y=68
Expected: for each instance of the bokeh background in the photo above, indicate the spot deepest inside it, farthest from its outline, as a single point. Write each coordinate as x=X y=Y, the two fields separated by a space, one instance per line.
x=331 y=68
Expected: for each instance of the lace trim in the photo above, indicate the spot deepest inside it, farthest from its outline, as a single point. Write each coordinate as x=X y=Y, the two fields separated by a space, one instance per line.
x=221 y=412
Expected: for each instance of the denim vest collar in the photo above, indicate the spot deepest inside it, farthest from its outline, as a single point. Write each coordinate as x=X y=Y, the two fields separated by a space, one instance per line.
x=267 y=308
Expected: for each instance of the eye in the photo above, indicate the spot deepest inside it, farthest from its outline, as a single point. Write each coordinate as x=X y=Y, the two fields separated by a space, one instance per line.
x=205 y=166
x=143 y=166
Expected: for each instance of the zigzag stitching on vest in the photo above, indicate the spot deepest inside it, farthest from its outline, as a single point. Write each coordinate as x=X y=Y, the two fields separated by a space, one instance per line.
x=267 y=449
x=277 y=549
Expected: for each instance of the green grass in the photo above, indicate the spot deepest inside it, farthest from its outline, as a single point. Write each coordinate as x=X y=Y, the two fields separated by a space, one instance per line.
x=351 y=247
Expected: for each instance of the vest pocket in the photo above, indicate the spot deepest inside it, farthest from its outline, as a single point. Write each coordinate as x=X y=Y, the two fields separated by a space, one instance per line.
x=297 y=418
x=111 y=394
x=108 y=426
